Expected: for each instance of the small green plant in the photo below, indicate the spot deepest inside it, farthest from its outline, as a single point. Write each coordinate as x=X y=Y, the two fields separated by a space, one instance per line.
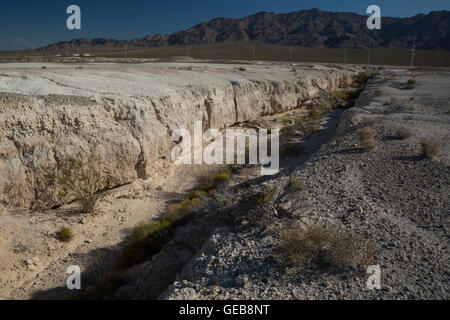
x=363 y=77
x=296 y=183
x=222 y=175
x=286 y=119
x=429 y=148
x=77 y=178
x=314 y=114
x=197 y=194
x=143 y=229
x=65 y=234
x=177 y=211
x=320 y=248
x=307 y=125
x=411 y=81
x=265 y=195
x=366 y=138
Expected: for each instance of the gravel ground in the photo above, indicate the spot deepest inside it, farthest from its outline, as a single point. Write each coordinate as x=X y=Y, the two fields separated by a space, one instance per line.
x=391 y=195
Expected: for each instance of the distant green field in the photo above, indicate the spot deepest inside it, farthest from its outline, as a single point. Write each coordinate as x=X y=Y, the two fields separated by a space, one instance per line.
x=267 y=52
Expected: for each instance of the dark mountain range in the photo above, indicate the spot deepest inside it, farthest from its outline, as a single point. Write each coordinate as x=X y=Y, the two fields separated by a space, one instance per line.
x=309 y=28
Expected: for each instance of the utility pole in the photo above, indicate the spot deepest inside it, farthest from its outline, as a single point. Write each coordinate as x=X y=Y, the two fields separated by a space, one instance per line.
x=413 y=53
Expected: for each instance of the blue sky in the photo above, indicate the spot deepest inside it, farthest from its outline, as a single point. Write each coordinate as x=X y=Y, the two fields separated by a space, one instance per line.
x=30 y=23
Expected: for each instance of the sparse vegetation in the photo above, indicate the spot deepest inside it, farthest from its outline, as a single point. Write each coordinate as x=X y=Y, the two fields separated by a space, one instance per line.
x=410 y=84
x=402 y=133
x=143 y=229
x=318 y=247
x=308 y=125
x=222 y=175
x=296 y=183
x=177 y=211
x=77 y=178
x=378 y=92
x=286 y=119
x=242 y=69
x=65 y=234
x=265 y=195
x=363 y=77
x=366 y=138
x=429 y=148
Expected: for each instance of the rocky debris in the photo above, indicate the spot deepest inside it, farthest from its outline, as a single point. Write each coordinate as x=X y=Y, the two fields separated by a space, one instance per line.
x=391 y=195
x=125 y=114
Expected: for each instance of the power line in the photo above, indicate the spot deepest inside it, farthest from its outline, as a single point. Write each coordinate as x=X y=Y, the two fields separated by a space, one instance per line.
x=413 y=53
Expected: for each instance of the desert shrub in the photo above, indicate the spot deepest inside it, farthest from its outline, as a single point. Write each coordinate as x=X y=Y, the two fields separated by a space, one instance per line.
x=177 y=211
x=145 y=240
x=402 y=133
x=315 y=114
x=242 y=69
x=307 y=125
x=206 y=187
x=286 y=119
x=65 y=234
x=197 y=194
x=366 y=138
x=409 y=87
x=319 y=247
x=429 y=148
x=362 y=77
x=77 y=178
x=411 y=81
x=222 y=175
x=143 y=229
x=378 y=92
x=296 y=183
x=265 y=196
x=344 y=95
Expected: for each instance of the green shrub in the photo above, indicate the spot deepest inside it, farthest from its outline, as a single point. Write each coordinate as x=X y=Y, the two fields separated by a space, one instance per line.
x=65 y=234
x=77 y=178
x=296 y=183
x=362 y=77
x=429 y=148
x=307 y=125
x=411 y=81
x=222 y=175
x=318 y=247
x=314 y=114
x=143 y=229
x=197 y=194
x=265 y=195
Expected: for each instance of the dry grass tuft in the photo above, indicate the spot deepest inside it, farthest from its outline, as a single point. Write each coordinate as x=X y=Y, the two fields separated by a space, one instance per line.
x=429 y=148
x=318 y=247
x=366 y=137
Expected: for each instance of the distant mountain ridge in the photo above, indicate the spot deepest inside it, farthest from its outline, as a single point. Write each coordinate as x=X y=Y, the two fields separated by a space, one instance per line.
x=308 y=28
